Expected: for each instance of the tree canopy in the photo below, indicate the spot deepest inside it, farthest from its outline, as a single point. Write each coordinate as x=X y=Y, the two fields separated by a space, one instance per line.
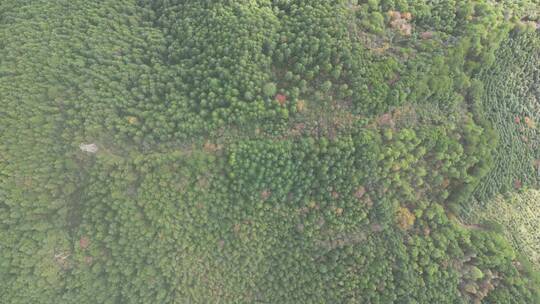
x=269 y=151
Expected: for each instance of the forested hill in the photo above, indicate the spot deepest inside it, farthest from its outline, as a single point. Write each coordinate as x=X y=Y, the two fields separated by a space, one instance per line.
x=269 y=151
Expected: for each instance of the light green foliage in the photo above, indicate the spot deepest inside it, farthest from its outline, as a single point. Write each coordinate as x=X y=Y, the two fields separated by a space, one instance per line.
x=269 y=89
x=518 y=215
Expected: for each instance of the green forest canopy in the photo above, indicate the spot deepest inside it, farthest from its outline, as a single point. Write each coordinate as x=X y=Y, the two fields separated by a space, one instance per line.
x=267 y=151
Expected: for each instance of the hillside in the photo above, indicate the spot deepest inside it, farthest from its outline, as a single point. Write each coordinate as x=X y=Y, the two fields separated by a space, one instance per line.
x=269 y=151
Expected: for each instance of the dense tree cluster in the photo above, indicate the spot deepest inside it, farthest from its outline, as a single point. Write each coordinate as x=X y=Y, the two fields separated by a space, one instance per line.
x=509 y=101
x=266 y=151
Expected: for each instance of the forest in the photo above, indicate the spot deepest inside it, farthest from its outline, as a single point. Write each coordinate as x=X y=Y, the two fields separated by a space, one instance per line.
x=269 y=151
